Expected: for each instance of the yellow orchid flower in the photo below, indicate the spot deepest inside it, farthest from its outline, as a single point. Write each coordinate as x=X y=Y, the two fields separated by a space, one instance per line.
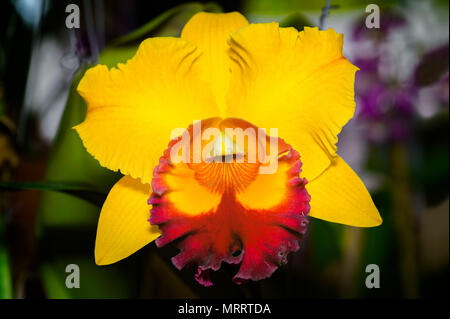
x=224 y=73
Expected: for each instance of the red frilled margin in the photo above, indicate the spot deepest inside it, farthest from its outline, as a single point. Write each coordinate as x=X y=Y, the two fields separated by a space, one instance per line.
x=259 y=240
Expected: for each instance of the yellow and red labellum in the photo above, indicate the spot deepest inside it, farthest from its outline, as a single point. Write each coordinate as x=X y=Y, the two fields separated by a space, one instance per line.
x=234 y=197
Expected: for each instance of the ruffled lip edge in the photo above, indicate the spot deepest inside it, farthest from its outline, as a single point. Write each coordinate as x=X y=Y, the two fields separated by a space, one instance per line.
x=296 y=229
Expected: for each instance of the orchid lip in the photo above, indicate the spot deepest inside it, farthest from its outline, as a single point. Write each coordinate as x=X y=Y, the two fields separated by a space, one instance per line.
x=224 y=210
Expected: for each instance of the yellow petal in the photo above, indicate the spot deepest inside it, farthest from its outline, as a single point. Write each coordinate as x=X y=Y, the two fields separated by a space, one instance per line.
x=210 y=32
x=123 y=227
x=298 y=82
x=133 y=109
x=339 y=196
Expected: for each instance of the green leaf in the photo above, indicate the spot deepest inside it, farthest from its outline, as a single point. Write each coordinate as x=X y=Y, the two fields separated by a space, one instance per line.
x=6 y=291
x=80 y=190
x=116 y=281
x=110 y=55
x=189 y=9
x=270 y=7
x=5 y=273
x=296 y=20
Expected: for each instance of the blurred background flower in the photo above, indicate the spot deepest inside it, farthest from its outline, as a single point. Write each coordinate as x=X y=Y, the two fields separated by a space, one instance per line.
x=397 y=143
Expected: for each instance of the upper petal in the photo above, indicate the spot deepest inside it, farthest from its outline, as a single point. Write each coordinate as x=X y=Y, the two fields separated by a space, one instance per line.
x=123 y=227
x=210 y=32
x=133 y=109
x=339 y=196
x=298 y=82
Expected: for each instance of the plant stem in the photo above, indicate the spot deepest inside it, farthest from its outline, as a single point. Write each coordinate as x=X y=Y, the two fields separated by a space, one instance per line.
x=404 y=221
x=351 y=262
